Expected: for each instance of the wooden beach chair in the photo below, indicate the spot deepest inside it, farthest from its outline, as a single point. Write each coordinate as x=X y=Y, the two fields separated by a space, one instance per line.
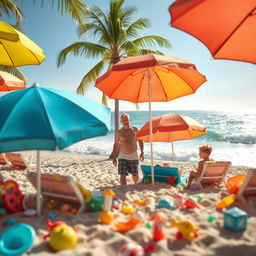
x=3 y=160
x=59 y=188
x=17 y=162
x=248 y=188
x=214 y=172
x=162 y=174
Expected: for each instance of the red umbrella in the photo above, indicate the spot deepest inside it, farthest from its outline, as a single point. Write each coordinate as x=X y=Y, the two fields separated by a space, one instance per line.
x=226 y=27
x=9 y=82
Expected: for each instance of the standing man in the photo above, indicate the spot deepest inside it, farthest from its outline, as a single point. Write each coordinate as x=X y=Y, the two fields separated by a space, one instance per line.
x=128 y=159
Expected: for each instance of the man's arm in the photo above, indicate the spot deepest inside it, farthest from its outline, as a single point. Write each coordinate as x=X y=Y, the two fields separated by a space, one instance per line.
x=141 y=144
x=115 y=148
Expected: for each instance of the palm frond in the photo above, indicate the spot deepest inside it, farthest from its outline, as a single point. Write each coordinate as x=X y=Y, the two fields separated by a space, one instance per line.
x=139 y=24
x=104 y=99
x=87 y=49
x=7 y=7
x=97 y=26
x=90 y=77
x=14 y=71
x=152 y=40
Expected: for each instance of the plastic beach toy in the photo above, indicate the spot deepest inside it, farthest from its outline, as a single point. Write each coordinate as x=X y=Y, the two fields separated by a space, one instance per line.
x=62 y=236
x=226 y=201
x=131 y=250
x=16 y=239
x=187 y=229
x=234 y=183
x=126 y=226
x=12 y=197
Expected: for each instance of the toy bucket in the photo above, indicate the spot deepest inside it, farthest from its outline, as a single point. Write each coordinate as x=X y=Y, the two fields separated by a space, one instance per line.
x=16 y=239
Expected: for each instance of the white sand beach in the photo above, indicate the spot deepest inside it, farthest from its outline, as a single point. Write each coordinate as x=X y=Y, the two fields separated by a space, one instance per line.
x=98 y=173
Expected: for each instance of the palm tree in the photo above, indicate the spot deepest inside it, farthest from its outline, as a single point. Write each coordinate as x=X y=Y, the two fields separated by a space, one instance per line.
x=75 y=8
x=117 y=34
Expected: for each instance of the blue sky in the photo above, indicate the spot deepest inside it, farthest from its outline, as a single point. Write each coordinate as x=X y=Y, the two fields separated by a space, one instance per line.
x=231 y=85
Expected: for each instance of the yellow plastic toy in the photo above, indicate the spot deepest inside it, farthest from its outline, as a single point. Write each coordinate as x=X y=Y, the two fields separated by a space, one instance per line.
x=187 y=229
x=62 y=237
x=126 y=209
x=106 y=216
x=87 y=194
x=226 y=201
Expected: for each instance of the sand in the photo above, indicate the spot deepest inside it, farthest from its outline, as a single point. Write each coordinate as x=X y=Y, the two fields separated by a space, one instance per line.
x=97 y=173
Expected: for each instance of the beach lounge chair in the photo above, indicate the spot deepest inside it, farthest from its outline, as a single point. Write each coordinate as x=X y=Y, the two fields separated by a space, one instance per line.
x=214 y=172
x=17 y=162
x=3 y=160
x=59 y=188
x=162 y=174
x=248 y=188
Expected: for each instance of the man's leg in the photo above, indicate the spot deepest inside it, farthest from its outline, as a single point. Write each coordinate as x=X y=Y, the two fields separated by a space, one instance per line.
x=135 y=179
x=133 y=169
x=122 y=171
x=123 y=180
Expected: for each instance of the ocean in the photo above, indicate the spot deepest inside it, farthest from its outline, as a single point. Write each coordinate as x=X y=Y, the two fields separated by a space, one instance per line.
x=232 y=135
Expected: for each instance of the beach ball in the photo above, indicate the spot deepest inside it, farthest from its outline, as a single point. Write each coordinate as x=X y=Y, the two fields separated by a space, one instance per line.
x=62 y=237
x=131 y=250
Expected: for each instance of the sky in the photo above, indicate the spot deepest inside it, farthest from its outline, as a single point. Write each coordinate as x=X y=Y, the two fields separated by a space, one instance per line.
x=231 y=85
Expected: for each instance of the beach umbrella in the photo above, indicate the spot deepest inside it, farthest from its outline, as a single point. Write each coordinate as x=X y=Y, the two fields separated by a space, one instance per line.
x=10 y=82
x=226 y=27
x=16 y=49
x=45 y=118
x=170 y=128
x=150 y=78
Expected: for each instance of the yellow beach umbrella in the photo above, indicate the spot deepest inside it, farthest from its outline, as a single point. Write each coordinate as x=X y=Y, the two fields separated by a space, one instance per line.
x=16 y=49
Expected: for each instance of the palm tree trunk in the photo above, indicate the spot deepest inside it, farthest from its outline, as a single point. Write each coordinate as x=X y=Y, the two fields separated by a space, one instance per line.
x=116 y=116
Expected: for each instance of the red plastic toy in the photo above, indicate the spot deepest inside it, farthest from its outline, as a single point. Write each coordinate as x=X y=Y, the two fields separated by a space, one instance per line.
x=12 y=197
x=52 y=225
x=189 y=204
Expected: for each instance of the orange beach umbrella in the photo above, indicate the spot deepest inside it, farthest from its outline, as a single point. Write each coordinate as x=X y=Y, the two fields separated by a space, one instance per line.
x=170 y=128
x=9 y=82
x=226 y=27
x=150 y=78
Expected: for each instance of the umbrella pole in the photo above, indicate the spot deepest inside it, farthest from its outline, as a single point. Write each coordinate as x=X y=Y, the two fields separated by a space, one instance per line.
x=38 y=196
x=150 y=127
x=173 y=155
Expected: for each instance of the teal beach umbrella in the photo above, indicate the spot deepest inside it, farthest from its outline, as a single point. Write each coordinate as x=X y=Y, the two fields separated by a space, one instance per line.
x=45 y=118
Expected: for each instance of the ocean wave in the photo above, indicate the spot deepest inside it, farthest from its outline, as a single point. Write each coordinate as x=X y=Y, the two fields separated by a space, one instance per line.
x=231 y=138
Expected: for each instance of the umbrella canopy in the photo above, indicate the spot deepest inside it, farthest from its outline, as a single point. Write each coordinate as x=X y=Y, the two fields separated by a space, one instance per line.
x=227 y=27
x=170 y=128
x=44 y=118
x=48 y=118
x=16 y=49
x=150 y=78
x=9 y=82
x=170 y=78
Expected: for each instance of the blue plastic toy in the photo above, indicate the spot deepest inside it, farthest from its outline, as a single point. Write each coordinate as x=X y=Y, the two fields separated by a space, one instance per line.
x=9 y=222
x=16 y=239
x=51 y=216
x=164 y=203
x=235 y=219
